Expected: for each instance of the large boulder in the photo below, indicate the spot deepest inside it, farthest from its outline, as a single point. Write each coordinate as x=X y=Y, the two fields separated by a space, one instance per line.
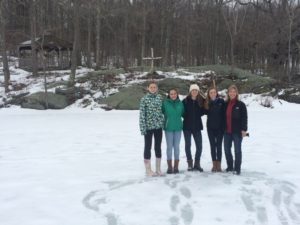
x=253 y=84
x=126 y=99
x=181 y=85
x=246 y=81
x=37 y=101
x=72 y=93
x=290 y=95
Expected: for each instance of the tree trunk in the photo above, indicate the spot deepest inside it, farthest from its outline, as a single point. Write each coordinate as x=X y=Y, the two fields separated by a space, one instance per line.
x=290 y=16
x=43 y=58
x=126 y=34
x=143 y=33
x=34 y=59
x=3 y=47
x=75 y=43
x=98 y=30
x=89 y=44
x=232 y=53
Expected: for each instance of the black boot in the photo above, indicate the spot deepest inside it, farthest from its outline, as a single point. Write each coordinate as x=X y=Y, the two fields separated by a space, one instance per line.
x=197 y=166
x=190 y=165
x=237 y=168
x=229 y=169
x=229 y=166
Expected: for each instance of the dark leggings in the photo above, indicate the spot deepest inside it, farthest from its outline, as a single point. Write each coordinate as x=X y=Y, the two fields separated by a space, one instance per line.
x=198 y=141
x=215 y=137
x=157 y=133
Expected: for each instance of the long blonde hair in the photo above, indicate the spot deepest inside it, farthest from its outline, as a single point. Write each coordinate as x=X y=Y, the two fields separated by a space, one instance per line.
x=233 y=86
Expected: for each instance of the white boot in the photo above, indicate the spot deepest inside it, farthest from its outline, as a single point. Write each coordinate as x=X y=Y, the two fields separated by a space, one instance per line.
x=158 y=171
x=149 y=172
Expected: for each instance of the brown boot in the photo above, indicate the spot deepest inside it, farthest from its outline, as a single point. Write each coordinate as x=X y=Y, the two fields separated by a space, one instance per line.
x=170 y=169
x=176 y=166
x=190 y=165
x=214 y=168
x=219 y=169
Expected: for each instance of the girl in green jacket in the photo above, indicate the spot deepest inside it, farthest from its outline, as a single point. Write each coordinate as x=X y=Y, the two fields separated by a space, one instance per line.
x=173 y=111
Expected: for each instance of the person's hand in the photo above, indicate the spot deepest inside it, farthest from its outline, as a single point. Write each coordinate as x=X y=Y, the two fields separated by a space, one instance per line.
x=244 y=133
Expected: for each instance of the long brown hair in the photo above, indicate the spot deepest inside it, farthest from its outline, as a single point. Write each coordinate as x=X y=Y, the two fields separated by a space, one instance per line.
x=206 y=103
x=200 y=99
x=233 y=86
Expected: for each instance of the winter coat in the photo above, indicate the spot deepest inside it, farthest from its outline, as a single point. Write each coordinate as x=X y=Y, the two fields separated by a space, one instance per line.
x=216 y=114
x=239 y=117
x=192 y=115
x=151 y=116
x=173 y=111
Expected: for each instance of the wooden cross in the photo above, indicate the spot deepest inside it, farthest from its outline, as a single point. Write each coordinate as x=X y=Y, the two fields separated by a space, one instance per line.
x=152 y=58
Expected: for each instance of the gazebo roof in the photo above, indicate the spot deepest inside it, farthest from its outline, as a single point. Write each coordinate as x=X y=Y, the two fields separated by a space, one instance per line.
x=49 y=43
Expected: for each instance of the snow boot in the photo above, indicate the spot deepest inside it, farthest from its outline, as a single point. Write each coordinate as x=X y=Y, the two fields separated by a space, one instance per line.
x=197 y=166
x=229 y=169
x=170 y=169
x=229 y=166
x=176 y=170
x=219 y=169
x=157 y=165
x=190 y=165
x=214 y=168
x=149 y=172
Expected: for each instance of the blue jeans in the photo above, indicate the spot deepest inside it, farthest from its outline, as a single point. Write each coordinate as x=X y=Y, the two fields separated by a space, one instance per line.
x=237 y=141
x=173 y=141
x=198 y=141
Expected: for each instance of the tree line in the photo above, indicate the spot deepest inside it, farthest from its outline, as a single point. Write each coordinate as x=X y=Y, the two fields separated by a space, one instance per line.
x=260 y=35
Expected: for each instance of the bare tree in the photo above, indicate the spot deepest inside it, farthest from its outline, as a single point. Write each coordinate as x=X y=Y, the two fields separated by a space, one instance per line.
x=89 y=39
x=75 y=42
x=3 y=48
x=291 y=8
x=253 y=34
x=234 y=23
x=33 y=35
x=143 y=32
x=98 y=33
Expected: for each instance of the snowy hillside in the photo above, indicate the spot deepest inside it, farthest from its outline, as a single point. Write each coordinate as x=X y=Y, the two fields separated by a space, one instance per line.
x=83 y=167
x=23 y=83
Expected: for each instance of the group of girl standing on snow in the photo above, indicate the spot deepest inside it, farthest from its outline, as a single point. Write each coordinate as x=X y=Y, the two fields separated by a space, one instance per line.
x=224 y=119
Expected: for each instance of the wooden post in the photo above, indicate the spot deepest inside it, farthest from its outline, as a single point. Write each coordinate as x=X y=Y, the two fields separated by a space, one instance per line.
x=60 y=59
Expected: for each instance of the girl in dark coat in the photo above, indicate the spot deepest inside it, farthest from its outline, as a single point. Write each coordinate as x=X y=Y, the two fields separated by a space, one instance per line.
x=215 y=107
x=192 y=125
x=235 y=129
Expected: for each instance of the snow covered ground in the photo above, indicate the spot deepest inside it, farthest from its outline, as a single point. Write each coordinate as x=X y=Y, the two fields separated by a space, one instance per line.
x=85 y=167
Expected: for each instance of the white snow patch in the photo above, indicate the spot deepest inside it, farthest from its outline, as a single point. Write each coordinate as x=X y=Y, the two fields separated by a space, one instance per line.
x=78 y=166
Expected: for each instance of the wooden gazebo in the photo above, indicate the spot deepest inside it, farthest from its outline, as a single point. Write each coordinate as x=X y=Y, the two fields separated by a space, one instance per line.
x=57 y=53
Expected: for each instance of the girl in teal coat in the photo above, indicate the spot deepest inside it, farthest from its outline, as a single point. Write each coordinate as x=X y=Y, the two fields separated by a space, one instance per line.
x=173 y=111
